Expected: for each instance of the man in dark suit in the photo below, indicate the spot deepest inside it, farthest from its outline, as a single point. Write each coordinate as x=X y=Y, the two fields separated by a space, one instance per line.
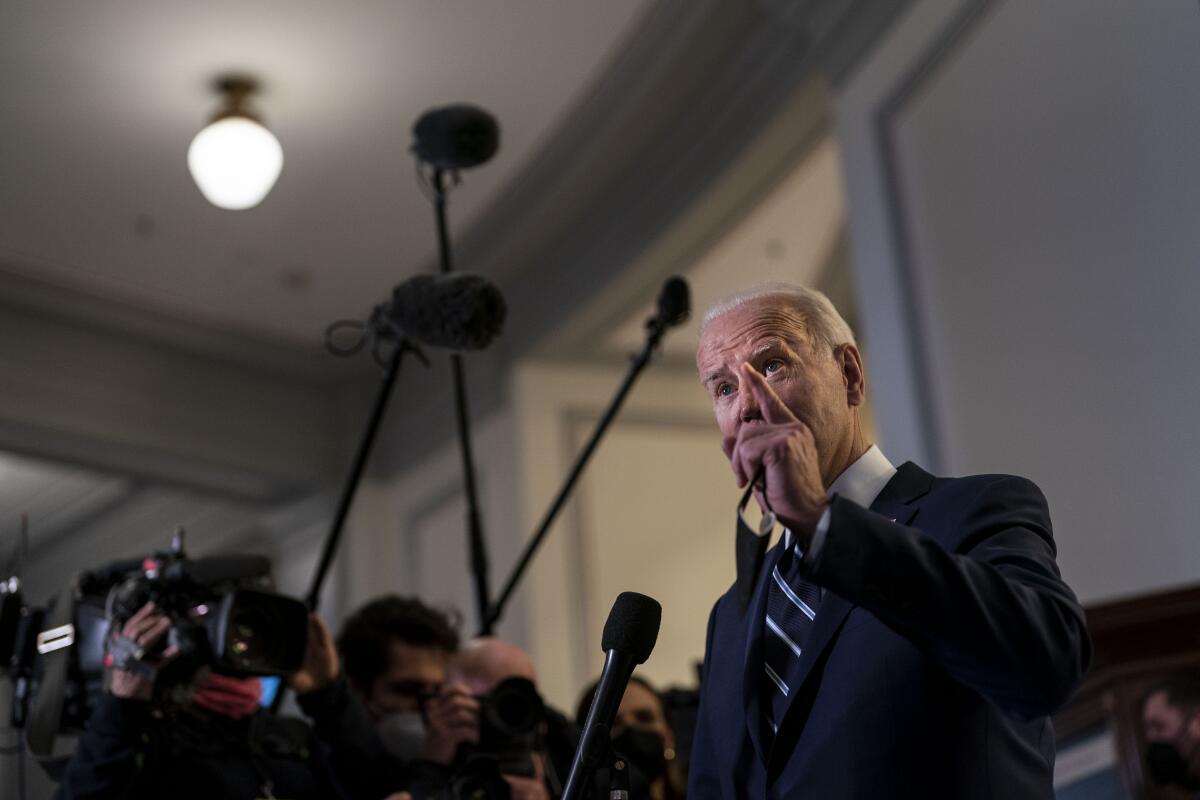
x=909 y=635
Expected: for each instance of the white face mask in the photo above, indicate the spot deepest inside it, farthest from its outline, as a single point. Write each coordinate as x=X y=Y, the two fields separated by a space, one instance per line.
x=403 y=734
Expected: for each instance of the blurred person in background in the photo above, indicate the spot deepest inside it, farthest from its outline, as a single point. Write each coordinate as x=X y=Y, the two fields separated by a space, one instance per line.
x=499 y=671
x=395 y=651
x=643 y=736
x=211 y=738
x=1171 y=724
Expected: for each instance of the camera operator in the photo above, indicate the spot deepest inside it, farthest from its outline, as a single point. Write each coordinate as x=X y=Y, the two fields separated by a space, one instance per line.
x=211 y=738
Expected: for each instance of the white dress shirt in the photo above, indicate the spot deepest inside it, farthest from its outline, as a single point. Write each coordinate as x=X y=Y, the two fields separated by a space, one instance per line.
x=861 y=482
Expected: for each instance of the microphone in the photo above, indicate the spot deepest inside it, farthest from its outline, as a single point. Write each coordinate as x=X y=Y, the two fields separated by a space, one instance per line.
x=460 y=311
x=674 y=305
x=456 y=137
x=629 y=636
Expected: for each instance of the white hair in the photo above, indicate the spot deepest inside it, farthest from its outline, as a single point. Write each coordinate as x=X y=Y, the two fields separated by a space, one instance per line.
x=821 y=320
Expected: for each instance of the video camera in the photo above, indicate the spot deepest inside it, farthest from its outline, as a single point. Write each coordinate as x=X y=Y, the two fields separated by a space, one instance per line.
x=222 y=615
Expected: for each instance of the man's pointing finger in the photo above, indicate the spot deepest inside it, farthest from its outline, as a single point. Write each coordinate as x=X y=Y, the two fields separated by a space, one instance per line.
x=773 y=410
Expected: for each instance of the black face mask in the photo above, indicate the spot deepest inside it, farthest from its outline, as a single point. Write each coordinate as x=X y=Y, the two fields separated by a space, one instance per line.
x=643 y=750
x=1168 y=766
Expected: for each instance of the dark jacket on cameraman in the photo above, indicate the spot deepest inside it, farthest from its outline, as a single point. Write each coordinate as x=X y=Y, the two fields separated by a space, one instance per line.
x=130 y=751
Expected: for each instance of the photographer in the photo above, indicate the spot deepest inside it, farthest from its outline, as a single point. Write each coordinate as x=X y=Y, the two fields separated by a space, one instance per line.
x=395 y=651
x=494 y=669
x=210 y=738
x=436 y=708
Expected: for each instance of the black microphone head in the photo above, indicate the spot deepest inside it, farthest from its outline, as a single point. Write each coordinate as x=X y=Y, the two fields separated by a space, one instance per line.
x=674 y=302
x=456 y=137
x=632 y=626
x=460 y=310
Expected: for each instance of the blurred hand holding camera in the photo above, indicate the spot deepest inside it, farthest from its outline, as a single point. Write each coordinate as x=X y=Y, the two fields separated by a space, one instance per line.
x=530 y=788
x=147 y=629
x=453 y=718
x=320 y=667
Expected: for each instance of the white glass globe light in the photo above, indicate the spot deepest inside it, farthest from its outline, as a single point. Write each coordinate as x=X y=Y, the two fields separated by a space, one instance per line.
x=235 y=161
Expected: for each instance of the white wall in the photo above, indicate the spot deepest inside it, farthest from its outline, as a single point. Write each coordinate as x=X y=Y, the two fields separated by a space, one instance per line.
x=653 y=513
x=1041 y=216
x=409 y=532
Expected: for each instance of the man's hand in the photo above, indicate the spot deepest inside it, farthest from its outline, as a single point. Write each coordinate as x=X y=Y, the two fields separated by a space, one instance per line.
x=530 y=788
x=320 y=666
x=783 y=448
x=147 y=628
x=527 y=788
x=453 y=718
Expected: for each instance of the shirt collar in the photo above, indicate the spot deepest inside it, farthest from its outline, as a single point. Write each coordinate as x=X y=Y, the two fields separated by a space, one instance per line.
x=860 y=482
x=863 y=480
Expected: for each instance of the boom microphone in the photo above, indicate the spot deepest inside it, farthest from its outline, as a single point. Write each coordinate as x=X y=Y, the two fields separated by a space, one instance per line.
x=456 y=137
x=459 y=311
x=674 y=303
x=629 y=636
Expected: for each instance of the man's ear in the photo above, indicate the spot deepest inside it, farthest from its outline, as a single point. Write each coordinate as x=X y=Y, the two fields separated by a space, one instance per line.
x=854 y=377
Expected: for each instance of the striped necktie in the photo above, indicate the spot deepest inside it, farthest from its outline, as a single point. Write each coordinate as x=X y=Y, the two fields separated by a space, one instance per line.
x=792 y=604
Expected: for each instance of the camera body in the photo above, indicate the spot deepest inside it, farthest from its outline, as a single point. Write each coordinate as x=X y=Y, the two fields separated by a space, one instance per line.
x=510 y=722
x=476 y=778
x=222 y=617
x=511 y=718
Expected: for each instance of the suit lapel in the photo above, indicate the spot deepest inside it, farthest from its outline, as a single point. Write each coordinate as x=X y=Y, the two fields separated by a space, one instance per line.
x=895 y=502
x=909 y=484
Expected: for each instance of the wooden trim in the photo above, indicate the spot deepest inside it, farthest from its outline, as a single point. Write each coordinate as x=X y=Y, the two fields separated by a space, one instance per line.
x=1147 y=627
x=1136 y=642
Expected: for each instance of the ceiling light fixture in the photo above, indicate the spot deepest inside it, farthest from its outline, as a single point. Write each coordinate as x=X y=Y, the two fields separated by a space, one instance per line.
x=235 y=160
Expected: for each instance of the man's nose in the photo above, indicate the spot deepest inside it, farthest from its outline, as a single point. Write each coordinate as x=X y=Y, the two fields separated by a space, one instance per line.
x=747 y=408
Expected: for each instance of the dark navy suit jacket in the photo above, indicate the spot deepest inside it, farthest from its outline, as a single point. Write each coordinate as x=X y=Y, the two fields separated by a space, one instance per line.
x=944 y=640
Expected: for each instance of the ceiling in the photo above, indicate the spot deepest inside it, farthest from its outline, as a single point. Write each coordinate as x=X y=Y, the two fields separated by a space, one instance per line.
x=99 y=102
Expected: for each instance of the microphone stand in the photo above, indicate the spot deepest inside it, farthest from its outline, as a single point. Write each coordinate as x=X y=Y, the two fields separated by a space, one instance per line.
x=313 y=599
x=655 y=328
x=356 y=471
x=475 y=540
x=618 y=779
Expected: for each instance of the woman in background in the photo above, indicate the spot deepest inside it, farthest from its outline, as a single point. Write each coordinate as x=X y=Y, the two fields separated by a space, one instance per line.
x=643 y=736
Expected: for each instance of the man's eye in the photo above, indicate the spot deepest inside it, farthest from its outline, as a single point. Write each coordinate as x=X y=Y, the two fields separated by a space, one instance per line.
x=724 y=390
x=774 y=365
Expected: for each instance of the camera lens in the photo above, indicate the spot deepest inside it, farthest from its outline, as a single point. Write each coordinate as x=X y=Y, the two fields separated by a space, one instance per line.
x=514 y=706
x=246 y=629
x=260 y=633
